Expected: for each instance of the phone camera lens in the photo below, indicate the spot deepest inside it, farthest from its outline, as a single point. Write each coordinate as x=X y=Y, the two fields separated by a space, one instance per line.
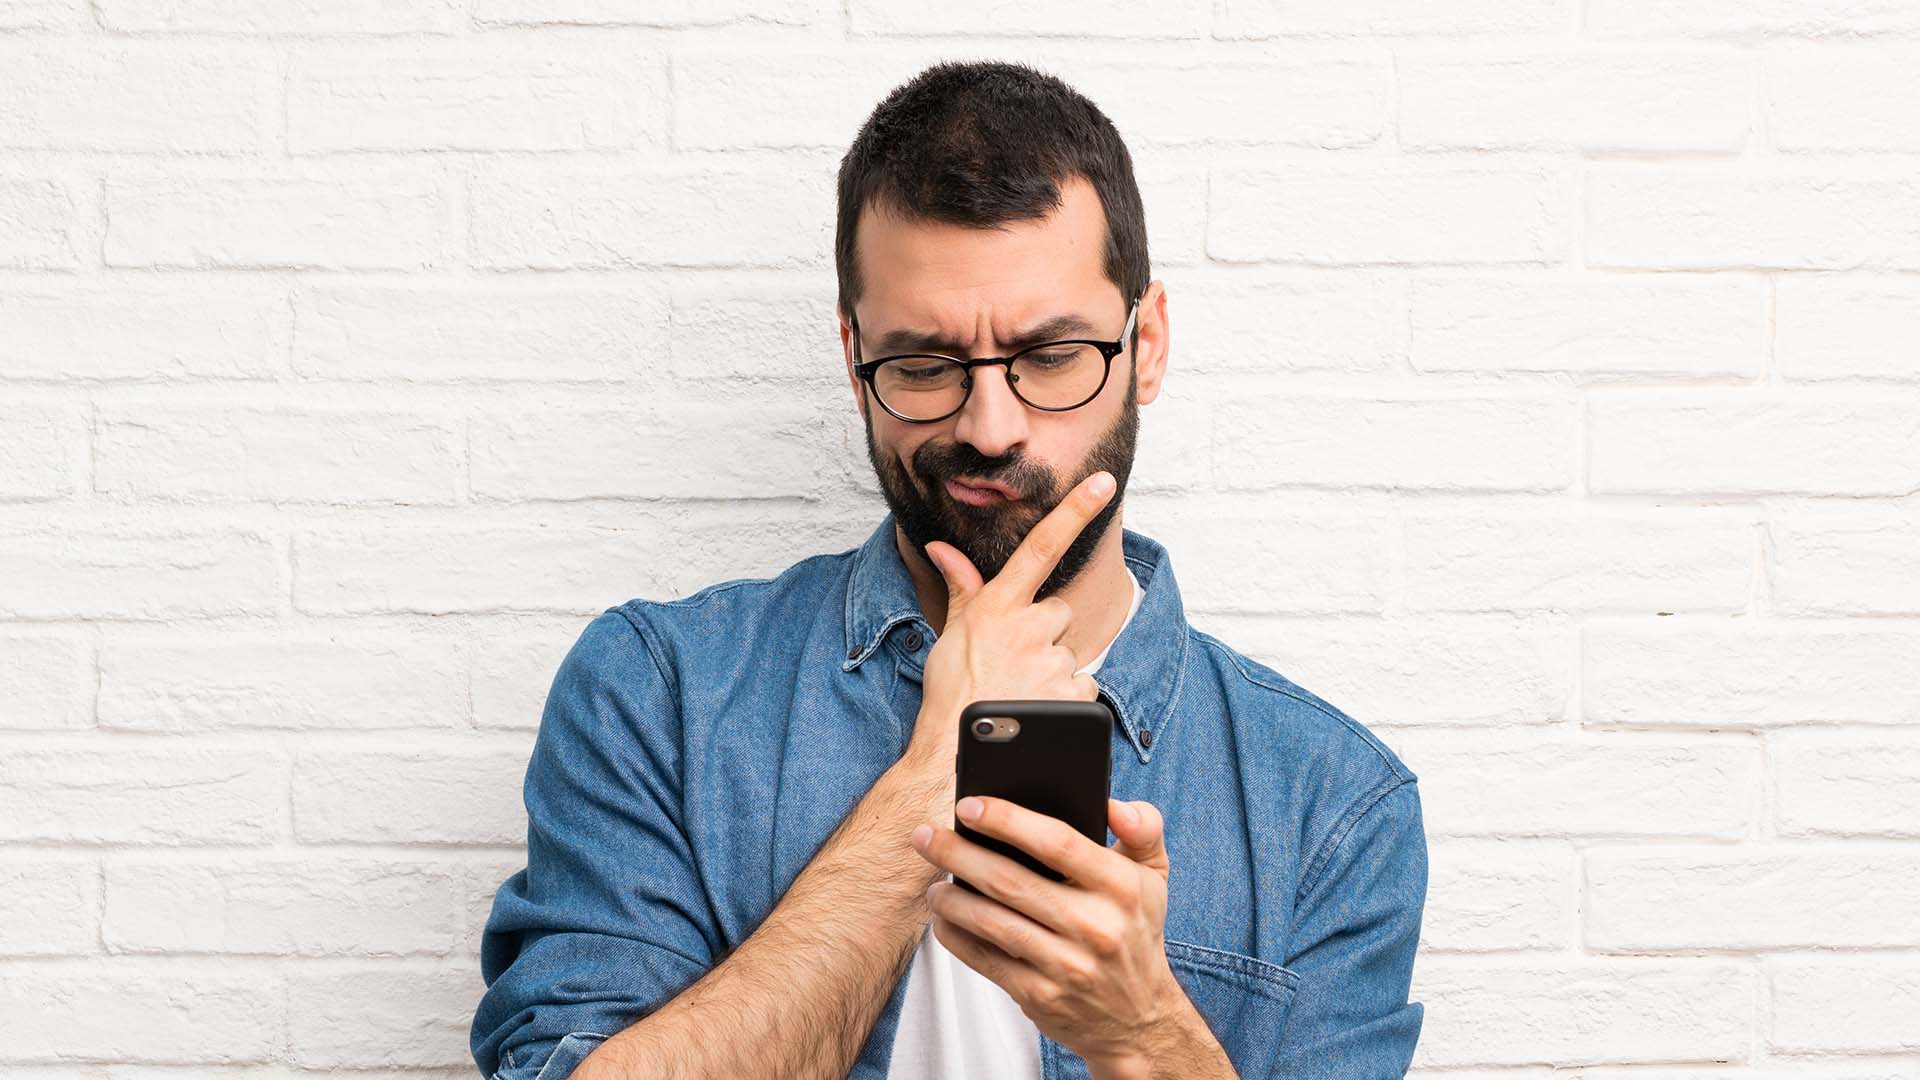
x=983 y=727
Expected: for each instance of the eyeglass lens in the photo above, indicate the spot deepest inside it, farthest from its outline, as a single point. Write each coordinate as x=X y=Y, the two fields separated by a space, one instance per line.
x=1050 y=376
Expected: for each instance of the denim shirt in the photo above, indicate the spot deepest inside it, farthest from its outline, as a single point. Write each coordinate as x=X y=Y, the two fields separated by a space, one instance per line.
x=694 y=755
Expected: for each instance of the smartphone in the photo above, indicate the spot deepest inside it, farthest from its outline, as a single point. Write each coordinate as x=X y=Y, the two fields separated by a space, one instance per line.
x=1053 y=757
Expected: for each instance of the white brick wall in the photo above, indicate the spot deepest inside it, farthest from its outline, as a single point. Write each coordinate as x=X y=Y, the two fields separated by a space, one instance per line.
x=1550 y=365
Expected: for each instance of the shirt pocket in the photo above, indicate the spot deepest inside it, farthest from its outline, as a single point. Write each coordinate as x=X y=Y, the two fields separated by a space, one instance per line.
x=568 y=1053
x=1243 y=998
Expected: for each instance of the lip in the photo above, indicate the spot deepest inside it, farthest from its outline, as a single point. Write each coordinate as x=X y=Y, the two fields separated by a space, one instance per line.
x=984 y=493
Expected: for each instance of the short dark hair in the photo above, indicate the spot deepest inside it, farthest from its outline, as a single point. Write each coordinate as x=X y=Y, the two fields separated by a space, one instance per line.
x=984 y=142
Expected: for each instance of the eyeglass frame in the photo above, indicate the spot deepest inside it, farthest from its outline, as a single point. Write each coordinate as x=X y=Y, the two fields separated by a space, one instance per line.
x=1108 y=350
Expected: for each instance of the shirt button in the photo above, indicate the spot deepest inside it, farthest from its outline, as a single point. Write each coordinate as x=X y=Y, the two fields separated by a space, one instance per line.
x=913 y=641
x=1146 y=739
x=853 y=652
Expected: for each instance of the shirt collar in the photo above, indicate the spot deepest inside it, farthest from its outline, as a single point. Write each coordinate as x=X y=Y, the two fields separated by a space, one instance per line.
x=1141 y=676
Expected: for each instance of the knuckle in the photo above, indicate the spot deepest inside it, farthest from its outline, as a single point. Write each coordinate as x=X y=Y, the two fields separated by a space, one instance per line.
x=1078 y=976
x=1102 y=940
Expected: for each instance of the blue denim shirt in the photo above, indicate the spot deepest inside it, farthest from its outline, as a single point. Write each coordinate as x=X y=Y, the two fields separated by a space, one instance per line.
x=694 y=755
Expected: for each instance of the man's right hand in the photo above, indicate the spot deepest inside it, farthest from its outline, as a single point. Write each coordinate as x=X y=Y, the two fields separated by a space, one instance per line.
x=997 y=642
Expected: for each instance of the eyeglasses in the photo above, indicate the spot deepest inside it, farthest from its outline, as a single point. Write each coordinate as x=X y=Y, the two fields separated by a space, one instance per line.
x=1054 y=376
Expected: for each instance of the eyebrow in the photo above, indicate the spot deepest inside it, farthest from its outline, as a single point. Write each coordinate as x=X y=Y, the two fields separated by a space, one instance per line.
x=908 y=340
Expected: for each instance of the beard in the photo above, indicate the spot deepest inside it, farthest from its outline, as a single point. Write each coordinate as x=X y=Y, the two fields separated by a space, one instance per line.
x=989 y=535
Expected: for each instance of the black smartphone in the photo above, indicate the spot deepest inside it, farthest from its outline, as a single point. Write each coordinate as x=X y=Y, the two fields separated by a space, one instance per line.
x=1053 y=757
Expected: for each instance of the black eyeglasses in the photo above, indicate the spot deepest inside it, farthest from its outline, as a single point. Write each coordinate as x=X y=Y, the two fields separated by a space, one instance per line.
x=1054 y=376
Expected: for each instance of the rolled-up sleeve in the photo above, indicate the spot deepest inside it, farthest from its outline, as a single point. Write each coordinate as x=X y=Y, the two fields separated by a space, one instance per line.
x=607 y=921
x=1356 y=927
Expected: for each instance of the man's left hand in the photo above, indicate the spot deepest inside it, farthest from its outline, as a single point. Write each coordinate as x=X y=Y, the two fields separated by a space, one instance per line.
x=1085 y=958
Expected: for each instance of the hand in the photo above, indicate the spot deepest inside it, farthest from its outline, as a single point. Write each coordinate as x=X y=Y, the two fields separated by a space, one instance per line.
x=1085 y=958
x=996 y=642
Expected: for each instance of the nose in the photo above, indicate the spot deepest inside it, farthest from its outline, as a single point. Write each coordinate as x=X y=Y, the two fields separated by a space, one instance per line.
x=993 y=419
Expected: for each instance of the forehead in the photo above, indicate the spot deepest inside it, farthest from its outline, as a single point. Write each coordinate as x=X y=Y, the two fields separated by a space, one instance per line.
x=959 y=281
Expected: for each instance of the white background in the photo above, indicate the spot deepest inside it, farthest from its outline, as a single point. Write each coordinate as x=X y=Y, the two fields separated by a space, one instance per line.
x=1544 y=393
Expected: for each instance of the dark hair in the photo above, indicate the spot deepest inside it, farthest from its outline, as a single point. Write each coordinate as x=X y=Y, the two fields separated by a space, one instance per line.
x=980 y=143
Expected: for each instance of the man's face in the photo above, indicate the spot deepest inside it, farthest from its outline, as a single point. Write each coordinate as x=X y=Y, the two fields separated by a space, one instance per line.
x=981 y=290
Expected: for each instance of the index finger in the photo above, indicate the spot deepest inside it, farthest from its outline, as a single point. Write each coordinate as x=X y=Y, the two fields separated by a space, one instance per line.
x=1052 y=841
x=1040 y=552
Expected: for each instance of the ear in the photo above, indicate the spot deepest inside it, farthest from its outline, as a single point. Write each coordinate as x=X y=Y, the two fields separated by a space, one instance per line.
x=1150 y=359
x=846 y=350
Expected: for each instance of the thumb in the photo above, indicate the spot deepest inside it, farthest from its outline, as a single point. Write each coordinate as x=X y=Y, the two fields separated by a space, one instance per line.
x=958 y=570
x=1140 y=830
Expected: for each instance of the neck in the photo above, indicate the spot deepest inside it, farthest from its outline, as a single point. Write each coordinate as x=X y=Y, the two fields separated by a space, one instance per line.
x=1099 y=597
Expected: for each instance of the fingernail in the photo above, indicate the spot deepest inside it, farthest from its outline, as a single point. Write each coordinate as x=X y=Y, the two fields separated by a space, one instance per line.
x=1102 y=483
x=968 y=808
x=921 y=834
x=1129 y=814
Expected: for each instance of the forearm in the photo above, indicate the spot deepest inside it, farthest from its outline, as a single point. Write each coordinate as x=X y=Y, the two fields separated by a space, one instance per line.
x=798 y=998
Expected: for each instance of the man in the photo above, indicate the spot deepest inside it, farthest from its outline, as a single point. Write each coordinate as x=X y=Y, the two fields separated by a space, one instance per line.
x=740 y=803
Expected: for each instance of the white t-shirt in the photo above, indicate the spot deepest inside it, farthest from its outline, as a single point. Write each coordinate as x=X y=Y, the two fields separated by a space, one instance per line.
x=957 y=1024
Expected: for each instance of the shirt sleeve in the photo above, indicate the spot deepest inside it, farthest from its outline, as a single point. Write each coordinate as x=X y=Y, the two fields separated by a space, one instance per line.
x=608 y=921
x=1357 y=924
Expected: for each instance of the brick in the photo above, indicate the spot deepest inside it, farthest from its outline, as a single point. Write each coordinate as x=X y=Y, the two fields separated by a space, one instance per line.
x=1390 y=18
x=292 y=680
x=1577 y=557
x=1842 y=99
x=429 y=333
x=1312 y=562
x=1750 y=898
x=1398 y=442
x=49 y=681
x=1847 y=1004
x=1590 y=324
x=522 y=453
x=140 y=793
x=1485 y=895
x=751 y=97
x=1748 y=442
x=1842 y=561
x=430 y=570
x=1847 y=783
x=1576 y=1011
x=1104 y=18
x=282 y=454
x=293 y=17
x=429 y=794
x=1597 y=100
x=1515 y=784
x=733 y=217
x=1257 y=321
x=1395 y=214
x=664 y=13
x=391 y=1015
x=48 y=906
x=120 y=572
x=37 y=223
x=42 y=14
x=1758 y=675
x=39 y=452
x=73 y=94
x=236 y=330
x=1745 y=18
x=1419 y=672
x=281 y=905
x=1669 y=218
x=758 y=330
x=1836 y=328
x=390 y=221
x=478 y=94
x=159 y=1012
